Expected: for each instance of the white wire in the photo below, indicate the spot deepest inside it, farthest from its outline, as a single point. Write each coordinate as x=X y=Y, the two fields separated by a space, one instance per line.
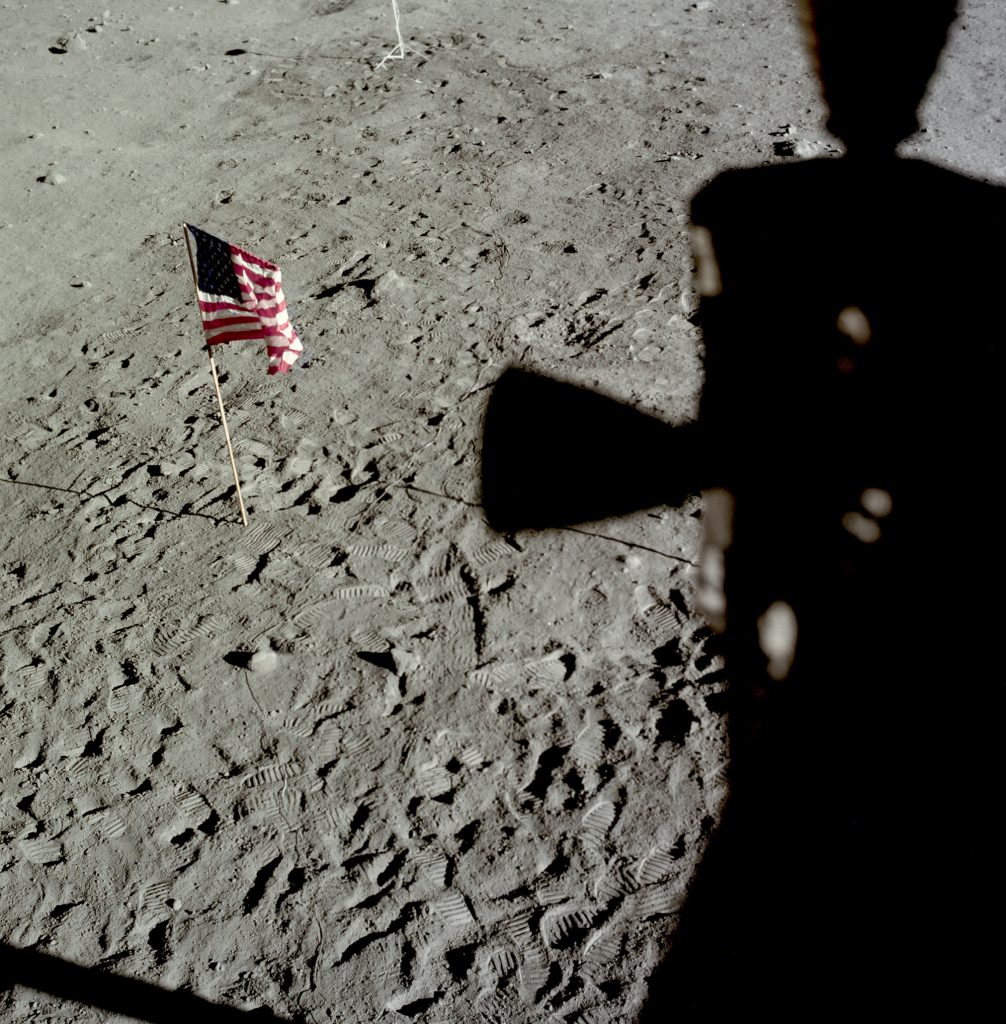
x=398 y=51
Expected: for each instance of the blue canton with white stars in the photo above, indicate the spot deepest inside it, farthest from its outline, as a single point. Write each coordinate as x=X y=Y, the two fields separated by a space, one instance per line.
x=213 y=265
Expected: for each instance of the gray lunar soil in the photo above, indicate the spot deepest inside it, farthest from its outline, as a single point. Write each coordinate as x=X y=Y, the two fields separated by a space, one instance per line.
x=367 y=759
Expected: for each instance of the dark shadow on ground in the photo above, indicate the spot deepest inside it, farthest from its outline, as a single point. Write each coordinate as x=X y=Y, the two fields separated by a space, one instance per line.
x=113 y=993
x=554 y=454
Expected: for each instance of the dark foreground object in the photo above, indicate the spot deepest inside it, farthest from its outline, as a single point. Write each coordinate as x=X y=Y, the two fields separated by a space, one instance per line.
x=115 y=994
x=855 y=867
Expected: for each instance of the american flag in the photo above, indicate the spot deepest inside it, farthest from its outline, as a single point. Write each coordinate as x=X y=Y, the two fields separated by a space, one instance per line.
x=241 y=299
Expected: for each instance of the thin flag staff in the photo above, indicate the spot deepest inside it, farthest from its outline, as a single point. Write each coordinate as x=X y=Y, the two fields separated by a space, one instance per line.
x=240 y=299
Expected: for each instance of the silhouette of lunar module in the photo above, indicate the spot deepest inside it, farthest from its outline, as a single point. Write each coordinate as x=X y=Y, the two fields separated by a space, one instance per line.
x=848 y=430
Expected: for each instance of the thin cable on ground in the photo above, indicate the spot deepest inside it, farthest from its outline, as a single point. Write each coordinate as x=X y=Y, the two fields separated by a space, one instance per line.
x=558 y=529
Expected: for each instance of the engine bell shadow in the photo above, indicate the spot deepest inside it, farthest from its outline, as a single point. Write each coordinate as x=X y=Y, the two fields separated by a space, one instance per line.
x=555 y=454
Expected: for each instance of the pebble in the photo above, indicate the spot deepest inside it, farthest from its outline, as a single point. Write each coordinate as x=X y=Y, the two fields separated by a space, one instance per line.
x=55 y=178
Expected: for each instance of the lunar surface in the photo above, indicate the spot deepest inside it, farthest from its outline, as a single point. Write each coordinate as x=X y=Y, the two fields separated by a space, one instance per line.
x=366 y=758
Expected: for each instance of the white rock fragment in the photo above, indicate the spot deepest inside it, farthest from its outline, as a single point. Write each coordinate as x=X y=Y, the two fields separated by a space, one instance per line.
x=263 y=661
x=72 y=44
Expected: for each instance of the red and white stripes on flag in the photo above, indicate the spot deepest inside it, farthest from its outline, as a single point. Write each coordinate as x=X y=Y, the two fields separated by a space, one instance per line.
x=241 y=299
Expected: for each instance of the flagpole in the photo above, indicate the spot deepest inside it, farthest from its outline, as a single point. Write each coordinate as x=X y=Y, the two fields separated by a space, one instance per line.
x=216 y=384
